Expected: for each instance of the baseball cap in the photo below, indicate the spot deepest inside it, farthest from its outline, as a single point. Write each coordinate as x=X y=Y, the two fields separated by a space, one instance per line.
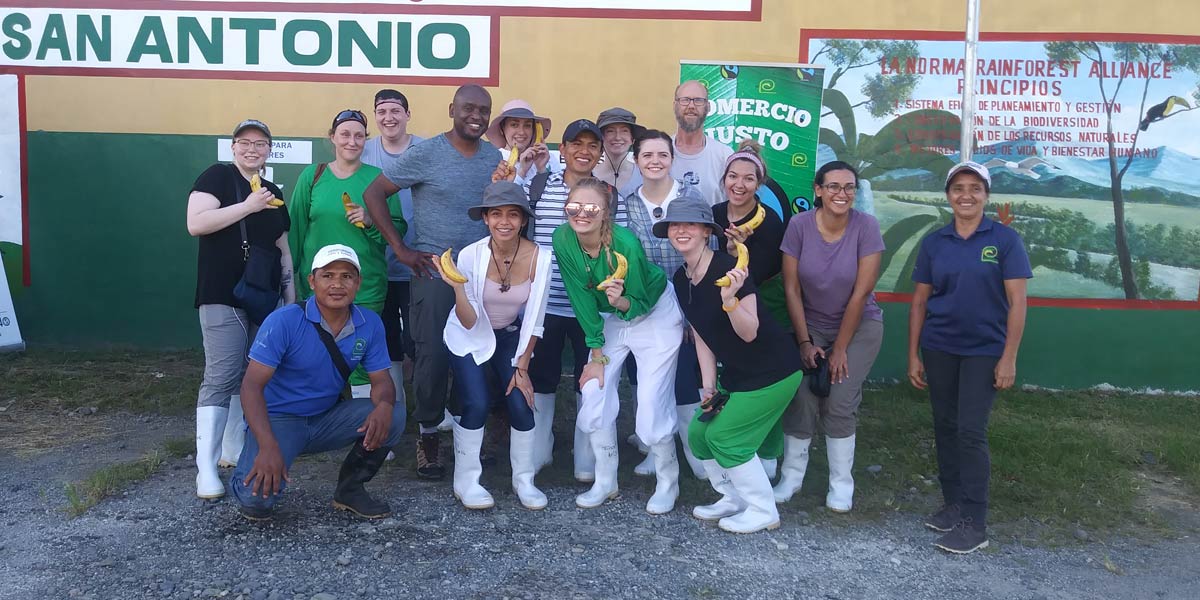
x=973 y=167
x=333 y=253
x=252 y=124
x=578 y=127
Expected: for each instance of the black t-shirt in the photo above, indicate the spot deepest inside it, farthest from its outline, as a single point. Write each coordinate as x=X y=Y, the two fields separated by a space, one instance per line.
x=766 y=260
x=220 y=260
x=773 y=354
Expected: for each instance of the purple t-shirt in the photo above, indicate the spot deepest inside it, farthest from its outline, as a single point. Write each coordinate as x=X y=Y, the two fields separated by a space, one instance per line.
x=827 y=270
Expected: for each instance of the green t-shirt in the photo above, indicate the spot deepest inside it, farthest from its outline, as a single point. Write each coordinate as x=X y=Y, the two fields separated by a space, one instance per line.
x=644 y=282
x=319 y=219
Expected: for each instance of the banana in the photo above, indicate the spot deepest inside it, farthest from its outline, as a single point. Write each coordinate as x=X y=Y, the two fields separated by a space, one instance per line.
x=618 y=273
x=538 y=133
x=256 y=184
x=348 y=204
x=513 y=155
x=743 y=260
x=449 y=269
x=755 y=221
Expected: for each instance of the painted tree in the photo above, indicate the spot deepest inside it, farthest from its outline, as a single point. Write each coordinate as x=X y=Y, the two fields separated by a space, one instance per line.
x=1110 y=54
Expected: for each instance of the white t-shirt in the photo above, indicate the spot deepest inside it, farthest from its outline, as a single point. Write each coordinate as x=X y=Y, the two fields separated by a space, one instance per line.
x=650 y=206
x=704 y=170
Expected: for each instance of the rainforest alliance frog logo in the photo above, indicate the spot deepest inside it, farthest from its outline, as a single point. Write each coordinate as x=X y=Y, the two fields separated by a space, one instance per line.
x=989 y=255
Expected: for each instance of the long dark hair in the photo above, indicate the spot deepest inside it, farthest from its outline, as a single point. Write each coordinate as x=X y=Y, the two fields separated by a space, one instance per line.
x=819 y=178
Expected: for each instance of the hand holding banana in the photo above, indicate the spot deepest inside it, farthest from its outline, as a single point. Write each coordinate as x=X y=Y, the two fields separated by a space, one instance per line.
x=741 y=232
x=743 y=261
x=450 y=273
x=352 y=210
x=256 y=185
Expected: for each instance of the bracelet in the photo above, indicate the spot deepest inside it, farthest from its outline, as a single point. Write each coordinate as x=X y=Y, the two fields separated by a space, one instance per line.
x=808 y=341
x=730 y=309
x=603 y=360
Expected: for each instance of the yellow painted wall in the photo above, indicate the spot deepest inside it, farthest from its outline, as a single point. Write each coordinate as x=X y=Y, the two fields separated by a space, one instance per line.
x=566 y=67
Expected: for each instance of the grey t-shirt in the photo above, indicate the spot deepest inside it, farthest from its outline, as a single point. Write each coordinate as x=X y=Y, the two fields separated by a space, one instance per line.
x=704 y=170
x=375 y=155
x=444 y=185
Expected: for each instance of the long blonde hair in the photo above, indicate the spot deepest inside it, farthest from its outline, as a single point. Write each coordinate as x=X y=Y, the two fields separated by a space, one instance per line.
x=606 y=221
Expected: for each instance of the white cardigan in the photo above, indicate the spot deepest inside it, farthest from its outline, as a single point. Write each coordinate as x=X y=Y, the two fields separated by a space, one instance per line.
x=479 y=341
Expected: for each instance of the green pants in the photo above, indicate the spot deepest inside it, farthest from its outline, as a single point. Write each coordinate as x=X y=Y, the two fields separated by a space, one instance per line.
x=359 y=376
x=749 y=423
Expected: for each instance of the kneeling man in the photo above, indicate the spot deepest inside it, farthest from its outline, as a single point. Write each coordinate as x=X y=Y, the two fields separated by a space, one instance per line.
x=299 y=364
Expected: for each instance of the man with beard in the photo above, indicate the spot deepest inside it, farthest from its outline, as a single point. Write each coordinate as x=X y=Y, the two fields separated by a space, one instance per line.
x=699 y=159
x=447 y=174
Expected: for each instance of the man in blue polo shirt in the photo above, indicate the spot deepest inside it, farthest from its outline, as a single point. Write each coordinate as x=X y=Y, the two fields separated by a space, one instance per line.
x=291 y=390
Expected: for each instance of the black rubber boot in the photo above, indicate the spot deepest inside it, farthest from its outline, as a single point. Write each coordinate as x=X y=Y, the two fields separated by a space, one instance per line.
x=358 y=468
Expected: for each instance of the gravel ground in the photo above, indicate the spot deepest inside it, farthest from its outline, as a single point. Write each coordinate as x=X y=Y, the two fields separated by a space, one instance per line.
x=158 y=541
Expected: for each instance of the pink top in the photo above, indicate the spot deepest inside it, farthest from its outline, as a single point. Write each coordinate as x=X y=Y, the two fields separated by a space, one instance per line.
x=502 y=308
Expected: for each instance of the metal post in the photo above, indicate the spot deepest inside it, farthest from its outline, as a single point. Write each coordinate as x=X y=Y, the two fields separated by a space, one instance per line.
x=968 y=94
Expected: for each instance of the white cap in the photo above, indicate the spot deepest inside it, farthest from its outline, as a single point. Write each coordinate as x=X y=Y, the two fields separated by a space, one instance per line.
x=973 y=167
x=334 y=253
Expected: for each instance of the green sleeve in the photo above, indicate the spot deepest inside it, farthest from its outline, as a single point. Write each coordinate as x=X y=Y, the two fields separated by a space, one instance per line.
x=644 y=282
x=298 y=212
x=575 y=279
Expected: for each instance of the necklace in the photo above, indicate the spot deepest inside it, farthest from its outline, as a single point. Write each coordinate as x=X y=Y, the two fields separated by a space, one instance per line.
x=689 y=271
x=508 y=264
x=586 y=264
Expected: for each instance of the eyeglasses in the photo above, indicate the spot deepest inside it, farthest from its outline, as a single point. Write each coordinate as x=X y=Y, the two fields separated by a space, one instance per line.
x=350 y=115
x=837 y=188
x=257 y=145
x=696 y=101
x=658 y=212
x=587 y=211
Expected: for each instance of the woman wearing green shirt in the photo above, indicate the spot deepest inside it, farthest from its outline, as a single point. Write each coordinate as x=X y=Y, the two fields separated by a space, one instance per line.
x=320 y=217
x=635 y=313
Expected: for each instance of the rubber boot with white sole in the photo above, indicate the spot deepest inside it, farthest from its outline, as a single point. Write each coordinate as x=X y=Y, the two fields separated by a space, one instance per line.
x=235 y=434
x=522 y=447
x=841 y=482
x=447 y=423
x=729 y=504
x=666 y=470
x=795 y=464
x=604 y=447
x=467 y=469
x=210 y=429
x=685 y=413
x=752 y=485
x=646 y=467
x=585 y=459
x=543 y=430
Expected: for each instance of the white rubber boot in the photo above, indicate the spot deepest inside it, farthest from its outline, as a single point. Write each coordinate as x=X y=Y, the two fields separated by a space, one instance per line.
x=235 y=434
x=604 y=447
x=467 y=469
x=752 y=485
x=210 y=428
x=685 y=413
x=360 y=391
x=447 y=423
x=396 y=372
x=585 y=459
x=543 y=430
x=729 y=504
x=522 y=447
x=795 y=464
x=666 y=470
x=770 y=466
x=841 y=482
x=646 y=467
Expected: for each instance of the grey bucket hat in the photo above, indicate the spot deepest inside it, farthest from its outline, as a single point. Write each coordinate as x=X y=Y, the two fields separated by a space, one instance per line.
x=501 y=193
x=619 y=116
x=688 y=207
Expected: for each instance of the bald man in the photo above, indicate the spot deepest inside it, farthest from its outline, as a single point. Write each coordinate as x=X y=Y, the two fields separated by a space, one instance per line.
x=699 y=159
x=447 y=174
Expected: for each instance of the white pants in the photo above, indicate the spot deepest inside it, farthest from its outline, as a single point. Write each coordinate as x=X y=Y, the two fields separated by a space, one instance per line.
x=654 y=340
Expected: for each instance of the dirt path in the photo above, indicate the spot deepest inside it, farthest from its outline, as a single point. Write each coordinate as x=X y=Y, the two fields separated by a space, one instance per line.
x=158 y=541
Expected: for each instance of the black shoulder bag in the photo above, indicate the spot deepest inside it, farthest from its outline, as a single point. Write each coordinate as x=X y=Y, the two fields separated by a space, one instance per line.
x=335 y=354
x=258 y=291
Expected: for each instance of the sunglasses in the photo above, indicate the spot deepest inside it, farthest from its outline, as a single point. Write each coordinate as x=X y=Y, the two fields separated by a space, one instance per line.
x=350 y=115
x=658 y=212
x=587 y=211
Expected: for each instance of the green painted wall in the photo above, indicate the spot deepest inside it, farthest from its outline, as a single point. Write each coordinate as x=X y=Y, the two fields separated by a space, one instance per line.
x=112 y=263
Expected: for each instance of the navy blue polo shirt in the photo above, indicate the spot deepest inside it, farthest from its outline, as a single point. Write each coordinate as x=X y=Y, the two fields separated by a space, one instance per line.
x=306 y=382
x=967 y=313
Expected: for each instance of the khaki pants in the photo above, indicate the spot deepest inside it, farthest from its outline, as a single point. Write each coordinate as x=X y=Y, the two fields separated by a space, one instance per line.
x=837 y=414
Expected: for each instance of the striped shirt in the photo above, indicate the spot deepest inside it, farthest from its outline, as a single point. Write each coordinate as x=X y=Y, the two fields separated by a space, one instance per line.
x=549 y=213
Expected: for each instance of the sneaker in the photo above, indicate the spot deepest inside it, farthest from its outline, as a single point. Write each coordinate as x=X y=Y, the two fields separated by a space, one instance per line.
x=428 y=466
x=964 y=538
x=944 y=520
x=254 y=513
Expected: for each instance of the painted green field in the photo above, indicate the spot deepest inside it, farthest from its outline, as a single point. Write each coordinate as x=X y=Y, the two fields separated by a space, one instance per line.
x=1098 y=211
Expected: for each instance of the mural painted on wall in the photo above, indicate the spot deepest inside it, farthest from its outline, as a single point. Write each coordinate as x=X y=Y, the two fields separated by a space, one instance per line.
x=1093 y=146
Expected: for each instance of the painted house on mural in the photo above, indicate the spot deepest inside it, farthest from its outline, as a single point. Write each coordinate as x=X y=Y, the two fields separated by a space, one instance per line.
x=1086 y=114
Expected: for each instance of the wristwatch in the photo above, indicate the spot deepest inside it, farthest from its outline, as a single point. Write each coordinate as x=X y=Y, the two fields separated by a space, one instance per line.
x=602 y=360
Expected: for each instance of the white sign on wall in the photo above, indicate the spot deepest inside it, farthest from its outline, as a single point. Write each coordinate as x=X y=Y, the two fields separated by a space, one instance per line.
x=289 y=152
x=10 y=203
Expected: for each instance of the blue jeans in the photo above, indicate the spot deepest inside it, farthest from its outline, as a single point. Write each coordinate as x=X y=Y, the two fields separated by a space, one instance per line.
x=333 y=429
x=471 y=380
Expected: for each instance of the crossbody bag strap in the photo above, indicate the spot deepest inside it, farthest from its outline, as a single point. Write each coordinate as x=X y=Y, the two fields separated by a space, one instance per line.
x=339 y=361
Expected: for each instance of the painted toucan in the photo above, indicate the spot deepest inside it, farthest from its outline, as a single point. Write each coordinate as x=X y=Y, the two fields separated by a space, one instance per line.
x=1160 y=111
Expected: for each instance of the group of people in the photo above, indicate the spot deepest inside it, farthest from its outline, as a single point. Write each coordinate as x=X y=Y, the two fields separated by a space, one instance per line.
x=648 y=253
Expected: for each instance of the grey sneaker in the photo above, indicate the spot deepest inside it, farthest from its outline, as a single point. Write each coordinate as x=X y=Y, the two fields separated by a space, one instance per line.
x=964 y=538
x=943 y=520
